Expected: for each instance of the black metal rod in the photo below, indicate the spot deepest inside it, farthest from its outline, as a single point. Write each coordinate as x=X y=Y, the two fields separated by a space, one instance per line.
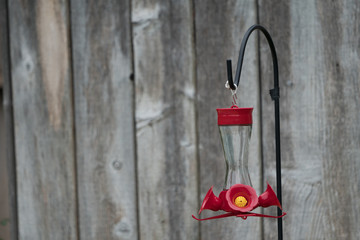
x=275 y=95
x=229 y=70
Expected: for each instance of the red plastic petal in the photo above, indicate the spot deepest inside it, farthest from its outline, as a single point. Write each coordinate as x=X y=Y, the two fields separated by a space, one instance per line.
x=241 y=190
x=225 y=206
x=211 y=201
x=268 y=198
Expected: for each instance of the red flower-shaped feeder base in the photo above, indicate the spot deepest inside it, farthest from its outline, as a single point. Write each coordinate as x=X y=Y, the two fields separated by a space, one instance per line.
x=238 y=201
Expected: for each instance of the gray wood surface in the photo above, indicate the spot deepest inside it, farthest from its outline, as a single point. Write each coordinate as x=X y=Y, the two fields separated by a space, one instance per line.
x=104 y=110
x=318 y=47
x=4 y=190
x=115 y=124
x=8 y=209
x=43 y=119
x=219 y=30
x=165 y=118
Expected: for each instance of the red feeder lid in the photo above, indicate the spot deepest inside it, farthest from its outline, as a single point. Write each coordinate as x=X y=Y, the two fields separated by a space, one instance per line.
x=234 y=116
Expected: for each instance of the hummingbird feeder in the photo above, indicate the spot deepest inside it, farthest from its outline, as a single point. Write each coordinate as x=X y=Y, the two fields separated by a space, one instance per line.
x=239 y=198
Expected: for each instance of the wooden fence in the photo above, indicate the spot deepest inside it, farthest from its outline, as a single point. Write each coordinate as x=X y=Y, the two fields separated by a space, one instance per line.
x=111 y=121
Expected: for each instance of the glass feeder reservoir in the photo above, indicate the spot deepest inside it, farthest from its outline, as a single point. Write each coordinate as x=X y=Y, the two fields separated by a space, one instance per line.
x=239 y=198
x=235 y=126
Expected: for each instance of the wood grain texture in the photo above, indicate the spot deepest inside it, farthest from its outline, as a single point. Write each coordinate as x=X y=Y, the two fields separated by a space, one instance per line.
x=41 y=81
x=220 y=27
x=147 y=152
x=8 y=146
x=318 y=50
x=104 y=119
x=165 y=118
x=4 y=184
x=4 y=61
x=7 y=209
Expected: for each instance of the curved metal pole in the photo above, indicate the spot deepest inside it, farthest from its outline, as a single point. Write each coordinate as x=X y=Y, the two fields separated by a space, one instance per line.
x=275 y=95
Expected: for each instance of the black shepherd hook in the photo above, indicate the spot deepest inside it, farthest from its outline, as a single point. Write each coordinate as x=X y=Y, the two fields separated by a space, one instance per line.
x=275 y=95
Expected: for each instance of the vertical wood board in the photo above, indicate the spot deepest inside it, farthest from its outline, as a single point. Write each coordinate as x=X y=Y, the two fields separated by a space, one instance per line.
x=8 y=228
x=5 y=209
x=165 y=118
x=41 y=81
x=220 y=27
x=104 y=119
x=318 y=51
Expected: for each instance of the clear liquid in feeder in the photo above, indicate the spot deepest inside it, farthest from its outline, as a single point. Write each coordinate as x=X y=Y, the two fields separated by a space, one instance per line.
x=235 y=126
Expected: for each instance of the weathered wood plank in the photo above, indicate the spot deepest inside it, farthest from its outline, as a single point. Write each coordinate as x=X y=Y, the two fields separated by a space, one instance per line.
x=220 y=26
x=8 y=208
x=104 y=119
x=165 y=118
x=318 y=50
x=3 y=43
x=4 y=191
x=43 y=119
